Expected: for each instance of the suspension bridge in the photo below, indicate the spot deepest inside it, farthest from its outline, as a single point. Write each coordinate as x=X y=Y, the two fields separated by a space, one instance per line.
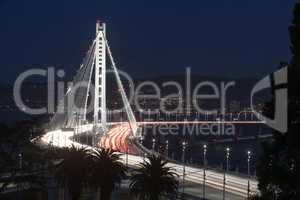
x=71 y=119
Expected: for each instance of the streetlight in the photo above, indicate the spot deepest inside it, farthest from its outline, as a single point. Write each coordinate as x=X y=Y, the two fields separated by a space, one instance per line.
x=224 y=175
x=20 y=168
x=167 y=148
x=153 y=144
x=52 y=140
x=20 y=160
x=76 y=126
x=127 y=156
x=184 y=144
x=141 y=142
x=204 y=168
x=227 y=158
x=248 y=162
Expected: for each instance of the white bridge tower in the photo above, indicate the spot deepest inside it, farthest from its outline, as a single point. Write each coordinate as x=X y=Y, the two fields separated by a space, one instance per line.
x=100 y=75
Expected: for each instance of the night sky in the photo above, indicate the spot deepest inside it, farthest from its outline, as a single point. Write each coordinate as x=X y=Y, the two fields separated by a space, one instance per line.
x=241 y=38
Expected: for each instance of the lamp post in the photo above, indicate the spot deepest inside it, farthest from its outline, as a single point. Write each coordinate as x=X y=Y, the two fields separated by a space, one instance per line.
x=19 y=185
x=227 y=158
x=20 y=161
x=141 y=142
x=183 y=160
x=167 y=148
x=204 y=168
x=153 y=144
x=75 y=130
x=227 y=167
x=126 y=156
x=248 y=166
x=65 y=138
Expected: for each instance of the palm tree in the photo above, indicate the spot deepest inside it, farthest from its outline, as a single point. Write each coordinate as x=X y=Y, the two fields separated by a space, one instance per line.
x=72 y=171
x=106 y=170
x=154 y=179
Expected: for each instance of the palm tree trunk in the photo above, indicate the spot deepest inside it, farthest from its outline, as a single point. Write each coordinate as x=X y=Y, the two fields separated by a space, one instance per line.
x=154 y=197
x=61 y=193
x=105 y=193
x=98 y=193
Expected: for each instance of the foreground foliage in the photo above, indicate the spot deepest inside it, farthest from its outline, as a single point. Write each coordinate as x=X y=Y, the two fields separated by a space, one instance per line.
x=154 y=179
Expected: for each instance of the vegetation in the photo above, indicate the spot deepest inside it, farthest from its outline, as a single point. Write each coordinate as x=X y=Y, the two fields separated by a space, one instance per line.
x=154 y=179
x=72 y=171
x=279 y=168
x=21 y=160
x=76 y=169
x=106 y=169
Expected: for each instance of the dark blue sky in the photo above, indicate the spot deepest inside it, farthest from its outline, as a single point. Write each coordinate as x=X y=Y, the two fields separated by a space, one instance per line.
x=223 y=38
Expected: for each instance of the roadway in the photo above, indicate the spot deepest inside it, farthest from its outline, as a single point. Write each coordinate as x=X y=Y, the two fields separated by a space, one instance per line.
x=117 y=139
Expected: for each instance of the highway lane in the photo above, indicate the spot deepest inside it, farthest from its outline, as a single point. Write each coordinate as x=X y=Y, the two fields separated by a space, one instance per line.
x=116 y=138
x=234 y=184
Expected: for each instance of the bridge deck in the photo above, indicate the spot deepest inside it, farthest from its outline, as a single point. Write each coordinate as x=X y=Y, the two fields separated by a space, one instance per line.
x=117 y=137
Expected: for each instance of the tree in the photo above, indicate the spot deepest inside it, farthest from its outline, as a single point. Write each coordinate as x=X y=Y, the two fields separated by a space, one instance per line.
x=154 y=179
x=278 y=169
x=20 y=160
x=106 y=169
x=72 y=171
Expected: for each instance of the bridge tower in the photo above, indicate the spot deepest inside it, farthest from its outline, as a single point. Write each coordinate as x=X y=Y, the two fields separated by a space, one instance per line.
x=100 y=75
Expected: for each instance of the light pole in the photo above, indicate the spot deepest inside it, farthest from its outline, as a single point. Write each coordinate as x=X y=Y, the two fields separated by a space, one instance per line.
x=183 y=160
x=227 y=158
x=248 y=162
x=224 y=175
x=75 y=130
x=153 y=144
x=167 y=148
x=141 y=142
x=79 y=127
x=204 y=168
x=19 y=185
x=65 y=137
x=126 y=156
x=20 y=161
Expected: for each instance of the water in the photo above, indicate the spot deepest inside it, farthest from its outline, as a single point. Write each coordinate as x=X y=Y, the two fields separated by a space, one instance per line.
x=216 y=151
